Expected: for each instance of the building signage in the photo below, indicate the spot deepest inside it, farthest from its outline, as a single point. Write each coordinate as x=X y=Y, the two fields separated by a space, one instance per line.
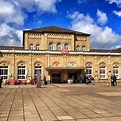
x=64 y=51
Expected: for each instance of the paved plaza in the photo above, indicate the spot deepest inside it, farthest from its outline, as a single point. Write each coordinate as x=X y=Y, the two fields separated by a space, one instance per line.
x=60 y=102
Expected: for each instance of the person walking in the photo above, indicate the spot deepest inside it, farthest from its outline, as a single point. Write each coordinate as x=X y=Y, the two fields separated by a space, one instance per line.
x=81 y=78
x=1 y=80
x=86 y=79
x=114 y=79
x=92 y=80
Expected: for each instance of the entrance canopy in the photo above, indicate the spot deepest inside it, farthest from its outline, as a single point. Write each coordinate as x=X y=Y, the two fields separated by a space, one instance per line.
x=65 y=68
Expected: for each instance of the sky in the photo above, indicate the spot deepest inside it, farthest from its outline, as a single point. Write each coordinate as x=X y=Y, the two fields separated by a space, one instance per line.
x=100 y=18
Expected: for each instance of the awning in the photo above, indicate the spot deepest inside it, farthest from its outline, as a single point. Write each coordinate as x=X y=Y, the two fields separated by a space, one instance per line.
x=65 y=68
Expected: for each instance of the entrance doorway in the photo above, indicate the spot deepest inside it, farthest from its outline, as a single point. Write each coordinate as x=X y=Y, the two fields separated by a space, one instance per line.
x=73 y=76
x=56 y=78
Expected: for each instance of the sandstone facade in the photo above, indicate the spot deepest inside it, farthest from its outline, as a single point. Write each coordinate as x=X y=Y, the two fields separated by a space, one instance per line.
x=59 y=54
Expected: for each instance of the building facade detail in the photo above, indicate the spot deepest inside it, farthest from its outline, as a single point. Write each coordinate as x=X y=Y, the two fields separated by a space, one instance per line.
x=58 y=54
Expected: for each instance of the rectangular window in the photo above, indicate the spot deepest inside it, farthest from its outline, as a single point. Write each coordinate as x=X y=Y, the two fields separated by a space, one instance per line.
x=4 y=72
x=115 y=71
x=102 y=73
x=89 y=71
x=21 y=72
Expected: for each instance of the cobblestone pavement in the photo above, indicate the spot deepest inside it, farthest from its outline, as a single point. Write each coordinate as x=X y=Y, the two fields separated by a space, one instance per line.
x=60 y=102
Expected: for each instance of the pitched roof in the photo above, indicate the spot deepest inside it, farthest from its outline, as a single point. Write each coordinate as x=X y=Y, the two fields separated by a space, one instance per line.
x=117 y=50
x=55 y=29
x=11 y=48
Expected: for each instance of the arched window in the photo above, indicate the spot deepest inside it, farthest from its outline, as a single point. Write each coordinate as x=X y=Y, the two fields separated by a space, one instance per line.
x=89 y=69
x=37 y=47
x=31 y=47
x=21 y=71
x=77 y=48
x=4 y=72
x=66 y=46
x=50 y=46
x=102 y=70
x=116 y=69
x=83 y=48
x=58 y=46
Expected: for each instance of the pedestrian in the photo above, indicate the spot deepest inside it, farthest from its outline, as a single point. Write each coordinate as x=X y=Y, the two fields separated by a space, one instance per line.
x=1 y=80
x=81 y=78
x=114 y=79
x=86 y=79
x=92 y=80
x=38 y=79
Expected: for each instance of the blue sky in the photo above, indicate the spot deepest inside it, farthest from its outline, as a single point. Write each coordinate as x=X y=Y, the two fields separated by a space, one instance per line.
x=100 y=18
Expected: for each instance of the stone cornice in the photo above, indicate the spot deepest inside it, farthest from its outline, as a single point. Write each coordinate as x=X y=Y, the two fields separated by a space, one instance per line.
x=59 y=52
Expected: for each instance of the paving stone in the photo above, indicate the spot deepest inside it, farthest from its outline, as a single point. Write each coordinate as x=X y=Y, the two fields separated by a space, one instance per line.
x=101 y=119
x=3 y=115
x=115 y=118
x=12 y=119
x=3 y=119
x=59 y=112
x=60 y=102
x=64 y=117
x=32 y=119
x=46 y=114
x=85 y=119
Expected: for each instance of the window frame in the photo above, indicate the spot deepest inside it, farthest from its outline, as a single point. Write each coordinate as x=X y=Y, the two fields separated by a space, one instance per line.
x=31 y=47
x=102 y=72
x=4 y=72
x=21 y=72
x=89 y=71
x=66 y=46
x=37 y=47
x=116 y=71
x=51 y=46
x=83 y=48
x=77 y=48
x=58 y=46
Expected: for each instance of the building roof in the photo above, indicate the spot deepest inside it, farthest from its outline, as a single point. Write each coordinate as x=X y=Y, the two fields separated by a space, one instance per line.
x=11 y=48
x=55 y=29
x=117 y=50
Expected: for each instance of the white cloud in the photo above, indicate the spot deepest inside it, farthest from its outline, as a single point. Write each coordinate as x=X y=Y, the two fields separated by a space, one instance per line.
x=118 y=13
x=102 y=18
x=10 y=36
x=13 y=14
x=37 y=5
x=117 y=2
x=10 y=14
x=100 y=37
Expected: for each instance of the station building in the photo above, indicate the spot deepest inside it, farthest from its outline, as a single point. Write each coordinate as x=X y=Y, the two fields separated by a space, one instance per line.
x=59 y=54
